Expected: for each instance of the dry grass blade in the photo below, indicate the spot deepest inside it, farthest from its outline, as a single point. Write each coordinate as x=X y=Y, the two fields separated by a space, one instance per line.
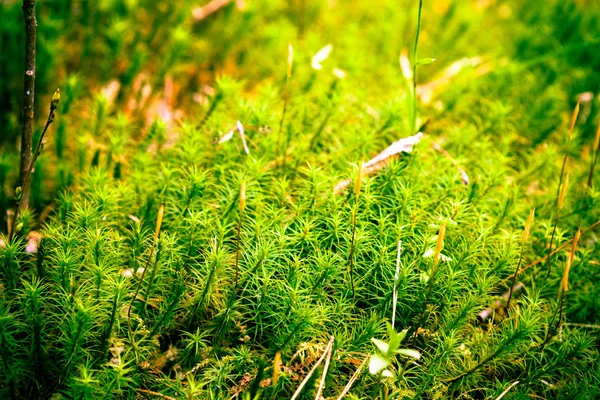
x=353 y=378
x=428 y=91
x=396 y=277
x=573 y=120
x=324 y=374
x=512 y=385
x=240 y=129
x=313 y=369
x=276 y=367
x=159 y=220
x=199 y=13
x=569 y=262
x=404 y=145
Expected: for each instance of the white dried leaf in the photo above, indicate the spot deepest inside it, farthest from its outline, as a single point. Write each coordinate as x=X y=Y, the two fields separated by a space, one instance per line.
x=321 y=56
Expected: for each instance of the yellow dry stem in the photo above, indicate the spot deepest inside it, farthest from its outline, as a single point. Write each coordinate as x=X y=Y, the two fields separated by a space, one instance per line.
x=573 y=120
x=161 y=213
x=565 y=277
x=440 y=243
x=243 y=195
x=527 y=229
x=276 y=367
x=563 y=192
x=290 y=60
x=597 y=141
x=359 y=178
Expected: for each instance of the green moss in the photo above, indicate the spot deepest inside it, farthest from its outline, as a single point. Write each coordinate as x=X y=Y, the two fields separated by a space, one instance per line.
x=207 y=326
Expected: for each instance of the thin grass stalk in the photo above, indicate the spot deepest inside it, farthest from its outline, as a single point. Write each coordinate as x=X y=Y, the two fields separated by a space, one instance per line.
x=113 y=315
x=353 y=379
x=313 y=369
x=561 y=200
x=564 y=287
x=209 y=280
x=560 y=181
x=436 y=259
x=414 y=110
x=324 y=374
x=211 y=108
x=524 y=238
x=590 y=181
x=161 y=212
x=396 y=277
x=286 y=98
x=152 y=277
x=239 y=232
x=22 y=192
x=354 y=212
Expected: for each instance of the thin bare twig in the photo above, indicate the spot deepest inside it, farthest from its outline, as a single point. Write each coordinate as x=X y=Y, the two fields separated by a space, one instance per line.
x=313 y=369
x=324 y=374
x=396 y=276
x=515 y=383
x=22 y=194
x=352 y=379
x=28 y=98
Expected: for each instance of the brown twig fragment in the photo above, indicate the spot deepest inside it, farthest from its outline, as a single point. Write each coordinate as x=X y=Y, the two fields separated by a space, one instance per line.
x=28 y=8
x=20 y=195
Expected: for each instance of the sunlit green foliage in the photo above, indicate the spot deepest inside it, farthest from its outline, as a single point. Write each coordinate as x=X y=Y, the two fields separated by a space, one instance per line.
x=148 y=97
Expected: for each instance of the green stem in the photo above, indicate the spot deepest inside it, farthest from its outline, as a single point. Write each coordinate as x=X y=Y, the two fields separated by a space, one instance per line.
x=414 y=111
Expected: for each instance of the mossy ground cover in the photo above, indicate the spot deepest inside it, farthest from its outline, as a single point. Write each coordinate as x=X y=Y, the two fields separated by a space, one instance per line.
x=175 y=257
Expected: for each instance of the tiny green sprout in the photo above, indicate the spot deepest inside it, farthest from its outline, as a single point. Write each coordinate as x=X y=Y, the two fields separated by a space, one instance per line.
x=381 y=361
x=425 y=61
x=55 y=99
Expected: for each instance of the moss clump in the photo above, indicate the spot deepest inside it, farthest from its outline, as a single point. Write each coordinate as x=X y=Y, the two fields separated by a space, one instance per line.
x=181 y=257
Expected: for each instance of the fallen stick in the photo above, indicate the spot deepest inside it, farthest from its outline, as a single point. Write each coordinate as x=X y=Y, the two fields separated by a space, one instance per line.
x=313 y=369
